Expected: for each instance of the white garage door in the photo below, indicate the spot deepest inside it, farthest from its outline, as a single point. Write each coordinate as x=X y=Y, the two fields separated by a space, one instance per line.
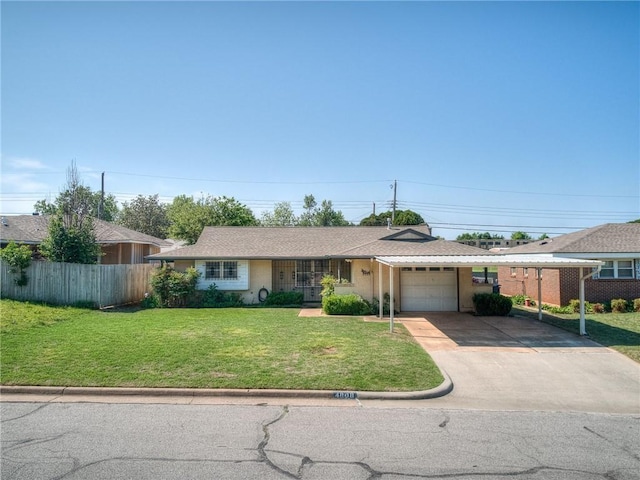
x=430 y=289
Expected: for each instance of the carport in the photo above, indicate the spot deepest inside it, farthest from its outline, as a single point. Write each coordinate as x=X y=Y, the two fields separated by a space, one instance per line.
x=537 y=261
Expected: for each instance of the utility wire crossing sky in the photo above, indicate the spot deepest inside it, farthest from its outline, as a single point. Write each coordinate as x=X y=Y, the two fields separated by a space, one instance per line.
x=491 y=116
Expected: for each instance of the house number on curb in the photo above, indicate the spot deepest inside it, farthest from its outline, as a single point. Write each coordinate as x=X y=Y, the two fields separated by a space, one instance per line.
x=345 y=395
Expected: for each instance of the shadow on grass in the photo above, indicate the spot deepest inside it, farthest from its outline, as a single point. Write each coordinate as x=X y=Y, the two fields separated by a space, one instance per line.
x=603 y=333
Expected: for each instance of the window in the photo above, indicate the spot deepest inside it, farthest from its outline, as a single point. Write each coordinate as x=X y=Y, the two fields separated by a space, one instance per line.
x=434 y=269
x=617 y=269
x=421 y=269
x=221 y=270
x=513 y=271
x=212 y=271
x=525 y=272
x=448 y=269
x=230 y=270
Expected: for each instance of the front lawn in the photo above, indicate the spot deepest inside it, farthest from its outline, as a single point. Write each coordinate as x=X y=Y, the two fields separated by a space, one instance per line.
x=207 y=348
x=620 y=331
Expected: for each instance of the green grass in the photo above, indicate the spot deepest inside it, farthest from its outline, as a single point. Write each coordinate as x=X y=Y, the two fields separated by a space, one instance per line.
x=206 y=348
x=620 y=331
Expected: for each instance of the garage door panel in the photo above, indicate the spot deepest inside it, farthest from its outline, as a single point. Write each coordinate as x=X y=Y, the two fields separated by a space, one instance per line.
x=428 y=291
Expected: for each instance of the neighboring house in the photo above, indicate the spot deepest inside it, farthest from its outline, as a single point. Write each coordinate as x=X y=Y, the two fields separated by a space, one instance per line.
x=616 y=244
x=119 y=245
x=489 y=243
x=418 y=271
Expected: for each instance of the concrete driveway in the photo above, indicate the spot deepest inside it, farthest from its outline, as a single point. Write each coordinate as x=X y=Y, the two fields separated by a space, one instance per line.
x=515 y=363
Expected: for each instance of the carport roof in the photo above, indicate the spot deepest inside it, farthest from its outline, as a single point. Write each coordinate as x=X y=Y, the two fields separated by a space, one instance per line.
x=534 y=261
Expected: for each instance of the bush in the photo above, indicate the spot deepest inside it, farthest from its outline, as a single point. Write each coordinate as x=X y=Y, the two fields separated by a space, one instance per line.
x=619 y=305
x=328 y=283
x=492 y=304
x=150 y=301
x=214 y=298
x=351 y=304
x=18 y=257
x=173 y=288
x=386 y=305
x=598 y=308
x=280 y=299
x=636 y=305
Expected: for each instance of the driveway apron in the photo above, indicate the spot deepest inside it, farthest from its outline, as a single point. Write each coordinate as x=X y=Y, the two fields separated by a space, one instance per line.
x=515 y=363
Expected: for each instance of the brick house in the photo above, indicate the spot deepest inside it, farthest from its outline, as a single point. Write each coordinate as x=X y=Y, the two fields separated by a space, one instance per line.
x=616 y=244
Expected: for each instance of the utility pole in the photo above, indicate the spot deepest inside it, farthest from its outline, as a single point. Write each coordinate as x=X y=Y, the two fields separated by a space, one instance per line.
x=393 y=212
x=101 y=209
x=374 y=209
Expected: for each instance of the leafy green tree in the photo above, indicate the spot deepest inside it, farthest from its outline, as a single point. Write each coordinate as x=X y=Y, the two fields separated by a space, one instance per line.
x=543 y=236
x=403 y=217
x=188 y=217
x=71 y=236
x=635 y=221
x=321 y=216
x=479 y=236
x=145 y=215
x=228 y=211
x=18 y=257
x=520 y=236
x=282 y=216
x=70 y=244
x=82 y=195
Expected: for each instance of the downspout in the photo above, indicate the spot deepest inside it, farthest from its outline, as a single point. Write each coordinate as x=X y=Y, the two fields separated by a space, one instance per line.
x=583 y=330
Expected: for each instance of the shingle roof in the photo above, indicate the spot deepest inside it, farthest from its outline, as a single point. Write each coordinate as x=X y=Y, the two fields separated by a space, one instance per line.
x=32 y=229
x=315 y=242
x=607 y=238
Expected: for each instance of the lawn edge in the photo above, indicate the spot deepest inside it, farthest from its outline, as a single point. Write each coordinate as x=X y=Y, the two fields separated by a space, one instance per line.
x=441 y=390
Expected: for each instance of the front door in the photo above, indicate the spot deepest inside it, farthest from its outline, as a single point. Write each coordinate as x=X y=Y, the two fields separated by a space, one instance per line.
x=309 y=274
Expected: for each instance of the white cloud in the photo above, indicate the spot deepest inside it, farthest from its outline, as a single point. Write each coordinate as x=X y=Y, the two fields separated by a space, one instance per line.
x=22 y=182
x=27 y=163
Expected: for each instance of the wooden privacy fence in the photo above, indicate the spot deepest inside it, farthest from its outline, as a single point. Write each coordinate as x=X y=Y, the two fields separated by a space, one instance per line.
x=69 y=283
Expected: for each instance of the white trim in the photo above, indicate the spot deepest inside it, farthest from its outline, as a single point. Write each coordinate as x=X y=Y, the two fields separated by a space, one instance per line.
x=607 y=256
x=531 y=260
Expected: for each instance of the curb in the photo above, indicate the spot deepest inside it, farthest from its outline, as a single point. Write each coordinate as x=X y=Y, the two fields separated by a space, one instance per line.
x=441 y=390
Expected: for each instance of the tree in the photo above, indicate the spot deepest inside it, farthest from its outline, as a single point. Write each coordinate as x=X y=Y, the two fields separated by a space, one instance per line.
x=188 y=217
x=282 y=216
x=71 y=236
x=70 y=244
x=479 y=236
x=322 y=216
x=543 y=236
x=145 y=215
x=520 y=236
x=91 y=199
x=403 y=217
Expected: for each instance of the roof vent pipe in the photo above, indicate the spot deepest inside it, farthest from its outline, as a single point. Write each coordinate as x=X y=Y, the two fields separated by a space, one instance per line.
x=388 y=224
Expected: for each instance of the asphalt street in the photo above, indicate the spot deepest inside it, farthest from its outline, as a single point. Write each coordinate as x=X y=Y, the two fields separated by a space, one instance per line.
x=164 y=441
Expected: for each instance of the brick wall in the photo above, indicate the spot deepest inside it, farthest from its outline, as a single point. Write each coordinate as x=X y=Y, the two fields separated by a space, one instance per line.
x=559 y=286
x=528 y=285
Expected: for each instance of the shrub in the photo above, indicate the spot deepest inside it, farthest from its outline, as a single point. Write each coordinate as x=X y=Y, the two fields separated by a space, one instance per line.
x=386 y=305
x=350 y=304
x=214 y=298
x=518 y=299
x=619 y=305
x=598 y=308
x=492 y=304
x=636 y=305
x=18 y=257
x=150 y=301
x=173 y=288
x=280 y=299
x=328 y=283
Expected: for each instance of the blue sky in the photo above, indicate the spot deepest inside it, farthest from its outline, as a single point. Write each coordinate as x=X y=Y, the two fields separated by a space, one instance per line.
x=492 y=116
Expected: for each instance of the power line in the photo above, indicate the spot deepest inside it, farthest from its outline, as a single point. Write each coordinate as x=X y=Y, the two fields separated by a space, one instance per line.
x=519 y=192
